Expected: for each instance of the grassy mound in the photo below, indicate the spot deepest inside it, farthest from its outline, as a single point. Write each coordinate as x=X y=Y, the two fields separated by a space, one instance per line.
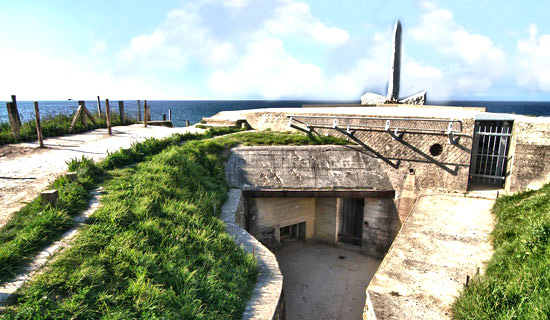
x=37 y=225
x=154 y=249
x=516 y=284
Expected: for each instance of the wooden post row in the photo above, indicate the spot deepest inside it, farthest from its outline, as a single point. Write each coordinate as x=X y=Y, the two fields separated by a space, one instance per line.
x=38 y=127
x=108 y=116
x=121 y=111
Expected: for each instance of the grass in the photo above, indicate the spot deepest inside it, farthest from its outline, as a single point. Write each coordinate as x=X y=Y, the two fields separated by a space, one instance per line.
x=155 y=249
x=52 y=127
x=516 y=284
x=37 y=225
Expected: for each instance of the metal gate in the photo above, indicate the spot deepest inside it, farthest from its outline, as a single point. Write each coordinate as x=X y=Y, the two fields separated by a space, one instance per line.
x=490 y=152
x=351 y=221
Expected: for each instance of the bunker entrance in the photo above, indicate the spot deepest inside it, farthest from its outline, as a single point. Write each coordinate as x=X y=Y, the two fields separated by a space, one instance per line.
x=328 y=243
x=351 y=221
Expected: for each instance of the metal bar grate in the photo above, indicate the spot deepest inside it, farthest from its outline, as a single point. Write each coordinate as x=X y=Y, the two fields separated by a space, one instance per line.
x=490 y=152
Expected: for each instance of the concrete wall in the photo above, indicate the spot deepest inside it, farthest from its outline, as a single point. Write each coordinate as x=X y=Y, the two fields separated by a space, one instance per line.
x=305 y=168
x=353 y=166
x=381 y=225
x=267 y=215
x=326 y=222
x=529 y=165
x=267 y=300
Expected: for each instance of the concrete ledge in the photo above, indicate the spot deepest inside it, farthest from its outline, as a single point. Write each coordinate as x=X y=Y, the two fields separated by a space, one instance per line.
x=266 y=301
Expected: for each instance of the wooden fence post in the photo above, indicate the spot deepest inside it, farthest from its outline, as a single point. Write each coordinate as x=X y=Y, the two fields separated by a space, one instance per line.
x=145 y=113
x=38 y=127
x=83 y=120
x=98 y=107
x=108 y=116
x=139 y=110
x=121 y=111
x=15 y=121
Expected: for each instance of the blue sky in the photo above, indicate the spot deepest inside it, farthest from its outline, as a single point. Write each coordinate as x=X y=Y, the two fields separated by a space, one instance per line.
x=272 y=49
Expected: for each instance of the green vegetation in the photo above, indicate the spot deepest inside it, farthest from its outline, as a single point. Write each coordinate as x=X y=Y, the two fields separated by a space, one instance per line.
x=37 y=225
x=155 y=248
x=53 y=127
x=516 y=284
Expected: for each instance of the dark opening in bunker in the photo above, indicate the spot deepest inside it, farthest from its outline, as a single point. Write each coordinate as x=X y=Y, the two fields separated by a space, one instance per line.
x=293 y=232
x=351 y=221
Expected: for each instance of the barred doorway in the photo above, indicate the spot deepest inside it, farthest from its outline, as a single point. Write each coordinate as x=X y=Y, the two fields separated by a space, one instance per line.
x=490 y=153
x=351 y=221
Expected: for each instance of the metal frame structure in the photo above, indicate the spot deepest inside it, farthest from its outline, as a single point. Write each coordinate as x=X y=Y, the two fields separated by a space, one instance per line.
x=395 y=127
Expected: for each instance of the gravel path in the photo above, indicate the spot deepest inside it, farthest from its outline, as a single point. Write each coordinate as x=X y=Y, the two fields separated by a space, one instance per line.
x=25 y=169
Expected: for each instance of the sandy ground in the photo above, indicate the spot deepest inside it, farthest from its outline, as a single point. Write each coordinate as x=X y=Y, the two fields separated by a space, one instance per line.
x=444 y=239
x=25 y=169
x=324 y=282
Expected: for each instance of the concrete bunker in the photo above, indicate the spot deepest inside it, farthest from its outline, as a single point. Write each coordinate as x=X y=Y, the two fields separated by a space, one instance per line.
x=366 y=220
x=327 y=212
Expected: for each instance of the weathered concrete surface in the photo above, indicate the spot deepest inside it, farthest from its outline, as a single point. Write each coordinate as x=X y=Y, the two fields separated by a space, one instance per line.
x=22 y=176
x=326 y=221
x=304 y=167
x=445 y=172
x=381 y=224
x=444 y=239
x=529 y=165
x=267 y=301
x=319 y=285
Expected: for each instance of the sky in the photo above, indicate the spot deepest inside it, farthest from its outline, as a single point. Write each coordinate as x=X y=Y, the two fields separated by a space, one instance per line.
x=272 y=49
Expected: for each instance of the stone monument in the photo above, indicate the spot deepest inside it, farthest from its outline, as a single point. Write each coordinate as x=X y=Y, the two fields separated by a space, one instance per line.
x=393 y=84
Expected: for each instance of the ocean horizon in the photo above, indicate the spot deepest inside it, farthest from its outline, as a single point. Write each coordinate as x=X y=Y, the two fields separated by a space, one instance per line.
x=195 y=110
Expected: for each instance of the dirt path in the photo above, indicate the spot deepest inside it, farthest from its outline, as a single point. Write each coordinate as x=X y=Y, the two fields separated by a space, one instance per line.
x=25 y=170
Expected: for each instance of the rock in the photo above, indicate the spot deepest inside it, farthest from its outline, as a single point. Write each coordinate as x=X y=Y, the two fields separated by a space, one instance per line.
x=417 y=99
x=372 y=98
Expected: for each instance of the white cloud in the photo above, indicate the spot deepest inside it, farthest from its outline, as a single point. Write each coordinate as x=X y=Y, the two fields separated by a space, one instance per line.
x=180 y=39
x=474 y=61
x=63 y=78
x=266 y=69
x=99 y=47
x=236 y=3
x=534 y=64
x=296 y=19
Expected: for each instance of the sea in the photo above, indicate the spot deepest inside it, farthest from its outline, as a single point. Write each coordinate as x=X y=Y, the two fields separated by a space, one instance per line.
x=194 y=110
